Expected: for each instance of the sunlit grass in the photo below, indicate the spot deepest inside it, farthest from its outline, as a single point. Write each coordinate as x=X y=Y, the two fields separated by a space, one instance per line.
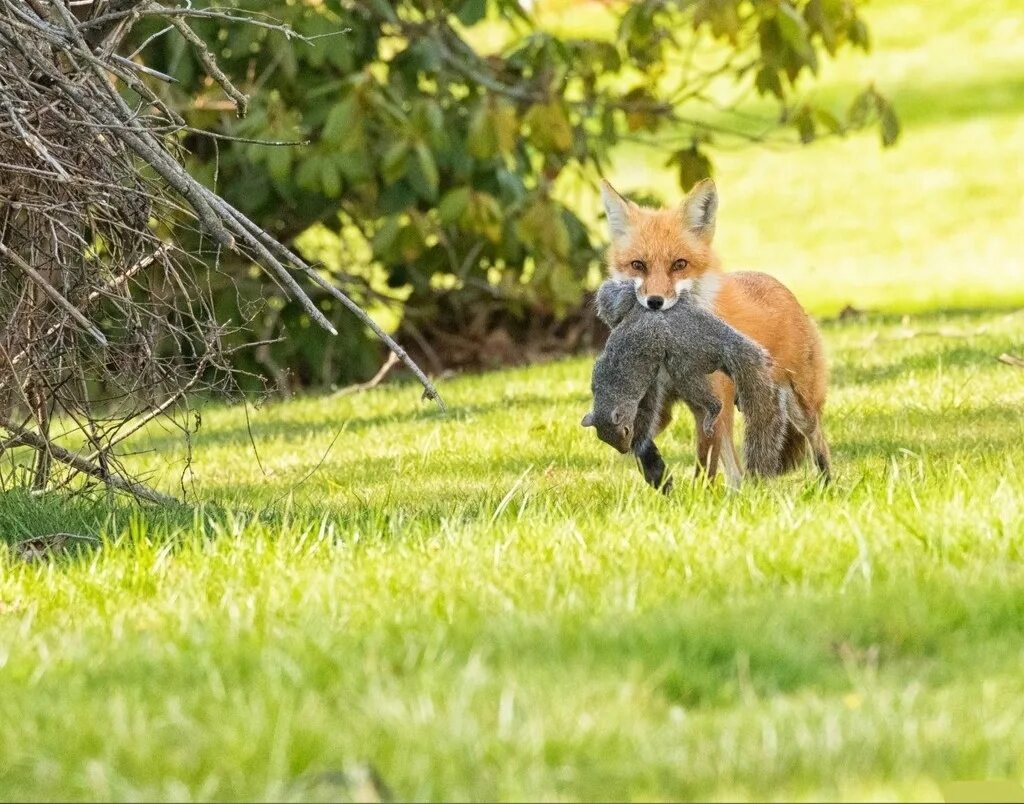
x=491 y=604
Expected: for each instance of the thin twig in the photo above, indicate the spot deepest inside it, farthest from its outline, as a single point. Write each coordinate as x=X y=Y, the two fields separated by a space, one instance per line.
x=77 y=462
x=374 y=381
x=210 y=65
x=55 y=294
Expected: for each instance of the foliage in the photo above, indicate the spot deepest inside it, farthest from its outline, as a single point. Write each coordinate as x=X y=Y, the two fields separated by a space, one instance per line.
x=448 y=152
x=492 y=605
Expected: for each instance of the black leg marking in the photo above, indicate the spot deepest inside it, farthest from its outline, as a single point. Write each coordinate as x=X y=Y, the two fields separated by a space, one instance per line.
x=652 y=465
x=822 y=462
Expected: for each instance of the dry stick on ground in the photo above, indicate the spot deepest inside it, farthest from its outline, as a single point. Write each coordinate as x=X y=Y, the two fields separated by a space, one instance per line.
x=28 y=438
x=70 y=177
x=374 y=381
x=1011 y=360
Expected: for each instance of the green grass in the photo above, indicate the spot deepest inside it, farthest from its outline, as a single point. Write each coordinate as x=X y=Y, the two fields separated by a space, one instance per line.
x=492 y=605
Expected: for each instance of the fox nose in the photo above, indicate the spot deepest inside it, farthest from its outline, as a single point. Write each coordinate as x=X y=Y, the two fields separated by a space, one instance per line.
x=655 y=302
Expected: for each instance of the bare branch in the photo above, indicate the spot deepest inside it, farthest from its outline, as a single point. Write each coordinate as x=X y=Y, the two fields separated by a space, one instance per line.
x=85 y=170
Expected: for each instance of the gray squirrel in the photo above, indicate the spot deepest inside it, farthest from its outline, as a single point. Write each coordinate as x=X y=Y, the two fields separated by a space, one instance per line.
x=677 y=349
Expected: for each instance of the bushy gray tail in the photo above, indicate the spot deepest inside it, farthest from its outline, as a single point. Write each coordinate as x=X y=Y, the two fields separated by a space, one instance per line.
x=794 y=448
x=764 y=411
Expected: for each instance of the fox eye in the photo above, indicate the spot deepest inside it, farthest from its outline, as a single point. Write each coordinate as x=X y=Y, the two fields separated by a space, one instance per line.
x=639 y=265
x=679 y=264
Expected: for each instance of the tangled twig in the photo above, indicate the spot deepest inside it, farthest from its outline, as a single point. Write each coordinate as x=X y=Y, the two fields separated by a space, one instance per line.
x=107 y=323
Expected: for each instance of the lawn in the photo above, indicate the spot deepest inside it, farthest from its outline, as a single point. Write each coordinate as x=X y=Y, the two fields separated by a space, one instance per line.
x=492 y=604
x=373 y=599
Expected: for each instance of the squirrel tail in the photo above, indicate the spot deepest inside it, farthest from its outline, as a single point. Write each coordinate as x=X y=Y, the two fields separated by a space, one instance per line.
x=794 y=448
x=767 y=423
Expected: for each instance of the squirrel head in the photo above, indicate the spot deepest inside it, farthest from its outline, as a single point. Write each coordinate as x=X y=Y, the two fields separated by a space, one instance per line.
x=614 y=427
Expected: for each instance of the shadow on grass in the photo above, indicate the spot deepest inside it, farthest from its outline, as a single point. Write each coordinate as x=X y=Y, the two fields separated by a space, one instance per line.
x=329 y=426
x=955 y=101
x=943 y=356
x=926 y=320
x=24 y=516
x=713 y=654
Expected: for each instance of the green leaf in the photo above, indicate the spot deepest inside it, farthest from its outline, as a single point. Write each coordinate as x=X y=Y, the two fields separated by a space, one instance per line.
x=804 y=122
x=453 y=205
x=427 y=55
x=721 y=16
x=694 y=165
x=330 y=179
x=481 y=142
x=383 y=8
x=550 y=129
x=828 y=120
x=484 y=216
x=541 y=227
x=767 y=81
x=355 y=167
x=858 y=33
x=431 y=121
x=793 y=28
x=409 y=243
x=819 y=19
x=396 y=198
x=505 y=126
x=428 y=168
x=385 y=239
x=472 y=11
x=279 y=163
x=889 y=122
x=342 y=120
x=861 y=108
x=307 y=176
x=395 y=161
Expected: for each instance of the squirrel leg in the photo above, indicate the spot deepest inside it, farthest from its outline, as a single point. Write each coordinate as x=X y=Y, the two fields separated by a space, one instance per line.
x=711 y=411
x=647 y=424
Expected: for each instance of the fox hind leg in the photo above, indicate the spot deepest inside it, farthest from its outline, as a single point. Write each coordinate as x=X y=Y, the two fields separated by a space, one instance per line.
x=809 y=426
x=822 y=454
x=718 y=446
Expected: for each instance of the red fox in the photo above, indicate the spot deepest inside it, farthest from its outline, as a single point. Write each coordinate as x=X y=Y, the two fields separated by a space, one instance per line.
x=665 y=252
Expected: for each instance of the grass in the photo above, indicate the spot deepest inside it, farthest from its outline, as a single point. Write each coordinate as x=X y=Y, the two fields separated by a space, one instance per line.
x=491 y=605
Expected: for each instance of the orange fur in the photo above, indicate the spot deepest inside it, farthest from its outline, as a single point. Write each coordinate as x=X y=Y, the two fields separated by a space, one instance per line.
x=658 y=239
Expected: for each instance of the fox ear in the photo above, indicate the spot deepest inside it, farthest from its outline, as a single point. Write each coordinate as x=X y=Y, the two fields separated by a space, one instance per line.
x=588 y=420
x=616 y=208
x=700 y=209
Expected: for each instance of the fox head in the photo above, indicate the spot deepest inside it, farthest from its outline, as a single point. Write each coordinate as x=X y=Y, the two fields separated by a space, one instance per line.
x=664 y=252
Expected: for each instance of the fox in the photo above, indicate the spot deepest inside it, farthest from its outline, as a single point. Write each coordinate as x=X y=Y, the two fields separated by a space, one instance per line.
x=667 y=253
x=688 y=343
